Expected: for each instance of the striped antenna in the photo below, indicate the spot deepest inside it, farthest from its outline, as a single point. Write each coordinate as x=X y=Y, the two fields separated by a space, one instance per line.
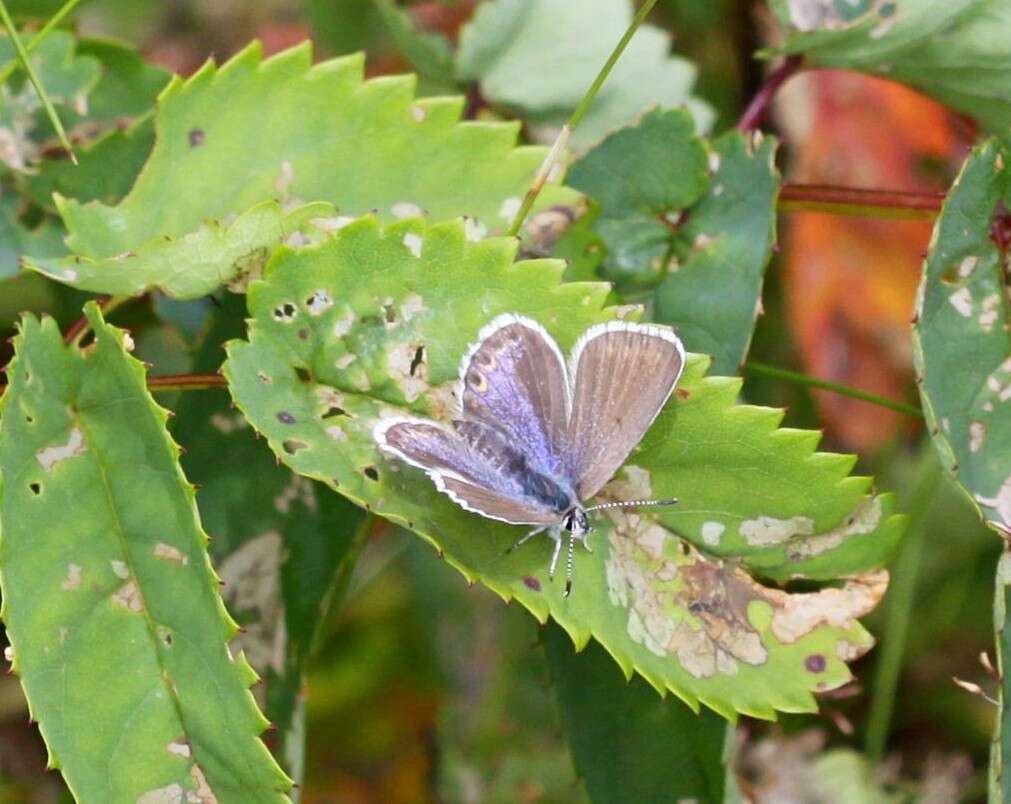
x=630 y=504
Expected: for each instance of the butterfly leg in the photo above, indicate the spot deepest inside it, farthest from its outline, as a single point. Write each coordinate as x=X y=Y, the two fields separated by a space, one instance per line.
x=525 y=539
x=557 y=536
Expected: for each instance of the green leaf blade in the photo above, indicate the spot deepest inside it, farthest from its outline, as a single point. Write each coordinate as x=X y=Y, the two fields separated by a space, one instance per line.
x=714 y=292
x=961 y=341
x=322 y=135
x=360 y=327
x=110 y=603
x=513 y=48
x=628 y=744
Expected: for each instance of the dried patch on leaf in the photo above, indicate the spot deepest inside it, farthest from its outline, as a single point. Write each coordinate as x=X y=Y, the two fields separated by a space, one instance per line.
x=1001 y=502
x=408 y=369
x=252 y=592
x=864 y=519
x=300 y=489
x=73 y=580
x=50 y=456
x=796 y=615
x=128 y=596
x=170 y=553
x=766 y=530
x=681 y=603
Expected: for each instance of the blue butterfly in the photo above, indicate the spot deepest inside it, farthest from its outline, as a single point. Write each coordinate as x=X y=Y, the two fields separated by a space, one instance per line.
x=536 y=438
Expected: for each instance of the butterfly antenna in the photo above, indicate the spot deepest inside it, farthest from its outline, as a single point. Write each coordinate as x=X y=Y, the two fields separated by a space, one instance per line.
x=630 y=504
x=568 y=565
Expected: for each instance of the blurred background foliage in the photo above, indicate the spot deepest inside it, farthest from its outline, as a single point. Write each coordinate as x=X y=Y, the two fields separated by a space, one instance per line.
x=422 y=689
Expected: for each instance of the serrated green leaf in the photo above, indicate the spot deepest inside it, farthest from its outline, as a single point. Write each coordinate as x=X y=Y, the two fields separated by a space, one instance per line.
x=714 y=291
x=643 y=176
x=215 y=254
x=67 y=78
x=328 y=136
x=953 y=51
x=961 y=339
x=513 y=48
x=278 y=550
x=17 y=240
x=698 y=219
x=110 y=603
x=359 y=327
x=629 y=745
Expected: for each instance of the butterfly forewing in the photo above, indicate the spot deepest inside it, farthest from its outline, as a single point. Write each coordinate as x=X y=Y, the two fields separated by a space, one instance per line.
x=478 y=469
x=514 y=380
x=622 y=374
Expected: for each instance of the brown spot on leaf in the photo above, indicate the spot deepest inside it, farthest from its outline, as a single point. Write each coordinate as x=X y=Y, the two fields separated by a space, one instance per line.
x=532 y=583
x=285 y=418
x=815 y=663
x=196 y=137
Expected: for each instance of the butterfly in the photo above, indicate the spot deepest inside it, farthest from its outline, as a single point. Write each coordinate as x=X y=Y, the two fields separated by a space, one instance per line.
x=536 y=437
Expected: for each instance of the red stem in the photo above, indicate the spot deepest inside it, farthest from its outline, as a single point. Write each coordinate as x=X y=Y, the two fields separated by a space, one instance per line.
x=857 y=201
x=755 y=114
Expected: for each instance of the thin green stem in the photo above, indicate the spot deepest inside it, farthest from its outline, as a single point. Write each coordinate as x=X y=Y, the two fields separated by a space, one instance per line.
x=8 y=69
x=899 y=606
x=583 y=106
x=754 y=367
x=5 y=17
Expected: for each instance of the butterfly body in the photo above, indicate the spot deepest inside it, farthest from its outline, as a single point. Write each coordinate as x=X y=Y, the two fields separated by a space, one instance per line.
x=536 y=437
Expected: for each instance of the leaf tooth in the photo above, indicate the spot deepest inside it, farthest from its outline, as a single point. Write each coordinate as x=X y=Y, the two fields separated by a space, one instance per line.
x=341 y=69
x=284 y=65
x=442 y=110
x=245 y=61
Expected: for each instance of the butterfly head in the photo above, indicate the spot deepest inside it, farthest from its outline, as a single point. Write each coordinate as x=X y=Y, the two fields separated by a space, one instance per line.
x=576 y=522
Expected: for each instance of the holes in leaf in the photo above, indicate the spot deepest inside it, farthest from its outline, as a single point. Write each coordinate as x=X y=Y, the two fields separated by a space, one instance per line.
x=319 y=302
x=371 y=473
x=303 y=374
x=29 y=418
x=285 y=418
x=333 y=412
x=35 y=488
x=285 y=313
x=165 y=635
x=389 y=314
x=418 y=361
x=264 y=377
x=291 y=445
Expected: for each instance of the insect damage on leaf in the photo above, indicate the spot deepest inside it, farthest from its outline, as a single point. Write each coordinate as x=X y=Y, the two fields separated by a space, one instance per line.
x=50 y=456
x=713 y=616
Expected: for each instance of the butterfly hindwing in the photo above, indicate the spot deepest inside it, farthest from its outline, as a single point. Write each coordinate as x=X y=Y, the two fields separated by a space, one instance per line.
x=478 y=469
